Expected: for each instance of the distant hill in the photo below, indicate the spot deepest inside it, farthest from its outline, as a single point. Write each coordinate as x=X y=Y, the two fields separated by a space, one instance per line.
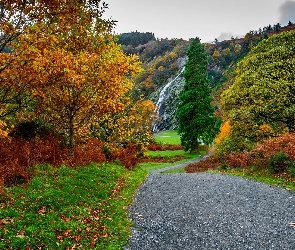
x=163 y=59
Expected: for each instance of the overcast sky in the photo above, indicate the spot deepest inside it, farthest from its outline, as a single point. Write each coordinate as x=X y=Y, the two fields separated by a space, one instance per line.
x=207 y=19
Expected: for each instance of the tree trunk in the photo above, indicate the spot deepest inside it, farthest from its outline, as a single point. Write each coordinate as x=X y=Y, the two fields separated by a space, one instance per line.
x=194 y=148
x=71 y=137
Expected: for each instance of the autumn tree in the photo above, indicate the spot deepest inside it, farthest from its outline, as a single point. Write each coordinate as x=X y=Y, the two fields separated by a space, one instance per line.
x=75 y=69
x=195 y=114
x=133 y=124
x=15 y=17
x=262 y=99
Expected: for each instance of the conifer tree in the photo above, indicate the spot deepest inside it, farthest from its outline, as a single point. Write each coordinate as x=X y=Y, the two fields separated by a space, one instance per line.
x=195 y=113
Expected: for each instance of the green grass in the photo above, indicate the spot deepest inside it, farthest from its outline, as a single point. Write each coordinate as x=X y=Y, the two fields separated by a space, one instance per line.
x=174 y=171
x=168 y=137
x=64 y=207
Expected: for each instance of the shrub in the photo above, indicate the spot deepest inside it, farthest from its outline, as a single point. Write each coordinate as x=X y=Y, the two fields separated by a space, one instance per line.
x=291 y=169
x=284 y=143
x=163 y=147
x=90 y=151
x=18 y=154
x=238 y=160
x=279 y=163
x=30 y=129
x=127 y=156
x=211 y=162
x=229 y=145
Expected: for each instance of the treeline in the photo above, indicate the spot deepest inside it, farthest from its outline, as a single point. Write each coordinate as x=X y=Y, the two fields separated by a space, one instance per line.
x=135 y=38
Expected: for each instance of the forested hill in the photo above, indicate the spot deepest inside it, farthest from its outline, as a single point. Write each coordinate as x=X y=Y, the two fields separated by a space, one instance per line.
x=163 y=58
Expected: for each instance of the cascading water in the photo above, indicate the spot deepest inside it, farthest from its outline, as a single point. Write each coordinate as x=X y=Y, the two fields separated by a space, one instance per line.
x=162 y=97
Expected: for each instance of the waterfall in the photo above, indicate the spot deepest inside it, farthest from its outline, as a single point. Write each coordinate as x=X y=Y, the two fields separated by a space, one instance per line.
x=162 y=97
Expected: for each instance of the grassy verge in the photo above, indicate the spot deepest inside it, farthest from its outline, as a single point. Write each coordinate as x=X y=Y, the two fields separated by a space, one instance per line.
x=174 y=171
x=172 y=153
x=69 y=208
x=283 y=181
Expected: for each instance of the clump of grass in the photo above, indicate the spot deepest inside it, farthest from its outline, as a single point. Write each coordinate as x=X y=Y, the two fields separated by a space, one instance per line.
x=61 y=208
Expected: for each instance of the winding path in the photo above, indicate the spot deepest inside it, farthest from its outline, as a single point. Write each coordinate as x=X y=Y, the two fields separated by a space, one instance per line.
x=211 y=211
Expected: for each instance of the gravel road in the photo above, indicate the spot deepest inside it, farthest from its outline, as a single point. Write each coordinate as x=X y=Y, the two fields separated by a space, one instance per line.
x=211 y=211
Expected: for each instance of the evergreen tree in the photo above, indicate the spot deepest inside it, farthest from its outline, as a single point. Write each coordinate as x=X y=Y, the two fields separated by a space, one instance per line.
x=195 y=113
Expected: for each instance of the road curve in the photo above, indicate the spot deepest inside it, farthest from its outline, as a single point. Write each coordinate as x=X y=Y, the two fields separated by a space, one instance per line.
x=211 y=211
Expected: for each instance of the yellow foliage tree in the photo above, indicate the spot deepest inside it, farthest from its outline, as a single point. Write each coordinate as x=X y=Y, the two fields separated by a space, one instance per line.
x=73 y=70
x=224 y=132
x=216 y=55
x=133 y=124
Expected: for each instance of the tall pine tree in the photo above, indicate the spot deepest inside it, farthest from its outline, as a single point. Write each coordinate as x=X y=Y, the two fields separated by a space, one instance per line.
x=195 y=114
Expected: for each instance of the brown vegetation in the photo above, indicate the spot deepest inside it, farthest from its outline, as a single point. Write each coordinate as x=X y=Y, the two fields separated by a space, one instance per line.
x=260 y=156
x=17 y=156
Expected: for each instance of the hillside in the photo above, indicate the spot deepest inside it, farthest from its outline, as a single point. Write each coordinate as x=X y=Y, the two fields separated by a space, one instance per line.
x=163 y=60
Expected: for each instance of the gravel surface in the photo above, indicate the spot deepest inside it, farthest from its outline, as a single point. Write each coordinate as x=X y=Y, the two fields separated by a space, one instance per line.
x=211 y=211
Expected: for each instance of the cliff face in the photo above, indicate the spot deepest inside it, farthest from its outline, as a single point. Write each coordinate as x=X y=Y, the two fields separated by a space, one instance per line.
x=168 y=99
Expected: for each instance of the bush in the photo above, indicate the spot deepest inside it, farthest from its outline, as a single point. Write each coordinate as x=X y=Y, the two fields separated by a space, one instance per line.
x=291 y=169
x=279 y=163
x=90 y=151
x=127 y=156
x=18 y=154
x=163 y=147
x=236 y=160
x=275 y=154
x=229 y=145
x=30 y=129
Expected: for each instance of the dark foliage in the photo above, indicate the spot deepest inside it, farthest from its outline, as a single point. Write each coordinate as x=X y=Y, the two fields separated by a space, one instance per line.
x=136 y=38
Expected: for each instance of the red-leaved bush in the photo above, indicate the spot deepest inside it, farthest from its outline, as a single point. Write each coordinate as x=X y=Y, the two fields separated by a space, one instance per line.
x=159 y=147
x=18 y=154
x=259 y=156
x=284 y=143
x=238 y=159
x=90 y=151
x=127 y=156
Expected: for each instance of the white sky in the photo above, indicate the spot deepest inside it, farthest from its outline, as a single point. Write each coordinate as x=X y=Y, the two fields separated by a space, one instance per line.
x=207 y=19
